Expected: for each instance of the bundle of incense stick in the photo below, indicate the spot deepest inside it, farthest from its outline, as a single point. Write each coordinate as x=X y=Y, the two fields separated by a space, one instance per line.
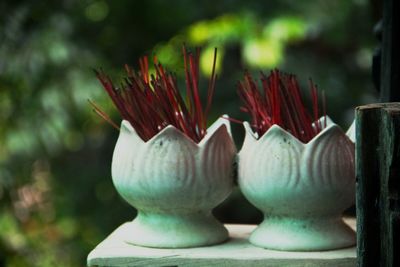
x=152 y=102
x=280 y=102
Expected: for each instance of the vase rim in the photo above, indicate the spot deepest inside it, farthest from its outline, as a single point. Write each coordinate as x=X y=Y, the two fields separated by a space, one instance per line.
x=330 y=126
x=221 y=124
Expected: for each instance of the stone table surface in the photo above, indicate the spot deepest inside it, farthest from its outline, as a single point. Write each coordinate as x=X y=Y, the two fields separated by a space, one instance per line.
x=237 y=251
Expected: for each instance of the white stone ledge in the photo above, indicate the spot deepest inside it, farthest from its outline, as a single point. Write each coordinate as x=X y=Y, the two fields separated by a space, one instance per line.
x=237 y=251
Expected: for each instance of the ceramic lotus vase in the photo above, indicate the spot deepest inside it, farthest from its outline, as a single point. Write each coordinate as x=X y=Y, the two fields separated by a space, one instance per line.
x=174 y=184
x=302 y=189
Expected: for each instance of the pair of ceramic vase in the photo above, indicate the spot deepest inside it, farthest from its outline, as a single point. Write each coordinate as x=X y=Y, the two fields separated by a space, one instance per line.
x=175 y=183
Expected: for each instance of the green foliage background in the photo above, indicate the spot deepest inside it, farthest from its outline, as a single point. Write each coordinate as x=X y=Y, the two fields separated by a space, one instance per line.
x=57 y=200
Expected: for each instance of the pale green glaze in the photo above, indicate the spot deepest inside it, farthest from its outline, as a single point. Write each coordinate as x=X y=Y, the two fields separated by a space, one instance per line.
x=303 y=234
x=302 y=189
x=166 y=230
x=174 y=184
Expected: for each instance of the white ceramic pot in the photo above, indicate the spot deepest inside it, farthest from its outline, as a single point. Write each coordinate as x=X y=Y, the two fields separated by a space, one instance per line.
x=174 y=184
x=302 y=189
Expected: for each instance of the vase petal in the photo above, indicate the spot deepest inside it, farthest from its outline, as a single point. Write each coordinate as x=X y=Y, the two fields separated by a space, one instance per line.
x=272 y=164
x=328 y=164
x=127 y=150
x=223 y=120
x=169 y=162
x=250 y=138
x=351 y=132
x=217 y=158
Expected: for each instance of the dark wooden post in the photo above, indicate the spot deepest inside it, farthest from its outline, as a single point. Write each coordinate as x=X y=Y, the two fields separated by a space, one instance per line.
x=378 y=156
x=378 y=184
x=390 y=65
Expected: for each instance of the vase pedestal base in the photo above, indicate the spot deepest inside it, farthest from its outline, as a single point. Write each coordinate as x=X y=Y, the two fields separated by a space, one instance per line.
x=175 y=230
x=294 y=234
